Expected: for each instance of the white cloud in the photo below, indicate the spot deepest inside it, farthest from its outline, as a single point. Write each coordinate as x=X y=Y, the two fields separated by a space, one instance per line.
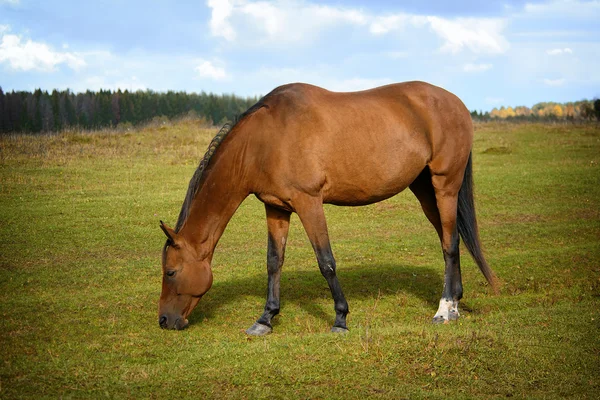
x=470 y=67
x=480 y=35
x=279 y=21
x=219 y=21
x=557 y=52
x=554 y=82
x=207 y=69
x=380 y=25
x=32 y=55
x=10 y=1
x=284 y=21
x=298 y=21
x=267 y=15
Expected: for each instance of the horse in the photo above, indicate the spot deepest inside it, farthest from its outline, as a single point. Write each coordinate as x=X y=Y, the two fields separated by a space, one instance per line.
x=301 y=146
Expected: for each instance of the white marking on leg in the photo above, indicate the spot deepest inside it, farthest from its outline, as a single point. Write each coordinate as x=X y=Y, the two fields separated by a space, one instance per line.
x=448 y=310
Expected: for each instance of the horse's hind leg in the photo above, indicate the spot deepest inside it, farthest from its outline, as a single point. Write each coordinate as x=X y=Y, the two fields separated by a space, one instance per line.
x=278 y=223
x=446 y=194
x=423 y=189
x=438 y=196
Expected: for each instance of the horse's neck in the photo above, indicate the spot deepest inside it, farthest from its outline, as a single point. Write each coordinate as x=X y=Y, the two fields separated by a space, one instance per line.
x=215 y=203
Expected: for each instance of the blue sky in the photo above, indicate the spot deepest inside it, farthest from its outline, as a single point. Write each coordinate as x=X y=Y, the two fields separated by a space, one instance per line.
x=489 y=53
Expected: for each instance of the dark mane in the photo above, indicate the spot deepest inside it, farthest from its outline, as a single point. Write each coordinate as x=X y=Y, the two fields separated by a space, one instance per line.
x=198 y=176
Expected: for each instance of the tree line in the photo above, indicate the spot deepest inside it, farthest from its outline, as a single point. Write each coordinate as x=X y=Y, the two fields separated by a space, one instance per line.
x=584 y=110
x=41 y=111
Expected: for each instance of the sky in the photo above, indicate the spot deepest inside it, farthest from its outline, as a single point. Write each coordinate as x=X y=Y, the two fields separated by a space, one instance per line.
x=489 y=53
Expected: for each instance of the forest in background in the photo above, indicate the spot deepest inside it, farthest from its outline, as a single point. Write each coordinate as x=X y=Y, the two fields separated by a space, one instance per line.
x=41 y=111
x=584 y=110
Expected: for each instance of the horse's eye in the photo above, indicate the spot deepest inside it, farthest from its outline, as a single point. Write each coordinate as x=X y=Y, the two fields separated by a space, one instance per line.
x=170 y=273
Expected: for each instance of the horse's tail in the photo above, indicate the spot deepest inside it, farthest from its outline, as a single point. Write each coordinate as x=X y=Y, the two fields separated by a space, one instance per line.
x=467 y=225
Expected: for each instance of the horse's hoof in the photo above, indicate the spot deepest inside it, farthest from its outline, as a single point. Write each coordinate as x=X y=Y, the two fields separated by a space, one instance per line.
x=453 y=315
x=259 y=330
x=438 y=319
x=338 y=329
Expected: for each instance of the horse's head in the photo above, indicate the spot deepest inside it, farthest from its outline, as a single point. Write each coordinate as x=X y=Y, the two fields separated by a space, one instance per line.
x=186 y=278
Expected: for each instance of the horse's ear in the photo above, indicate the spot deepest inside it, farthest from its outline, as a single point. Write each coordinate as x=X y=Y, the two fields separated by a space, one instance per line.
x=171 y=235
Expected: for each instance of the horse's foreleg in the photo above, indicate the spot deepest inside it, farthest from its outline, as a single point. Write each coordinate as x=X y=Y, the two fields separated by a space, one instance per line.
x=278 y=223
x=312 y=216
x=446 y=194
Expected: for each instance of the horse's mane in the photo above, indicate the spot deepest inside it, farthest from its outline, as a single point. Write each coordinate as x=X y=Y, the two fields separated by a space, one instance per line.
x=198 y=177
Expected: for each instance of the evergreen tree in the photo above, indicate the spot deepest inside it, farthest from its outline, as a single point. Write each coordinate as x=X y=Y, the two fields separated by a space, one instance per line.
x=4 y=122
x=55 y=105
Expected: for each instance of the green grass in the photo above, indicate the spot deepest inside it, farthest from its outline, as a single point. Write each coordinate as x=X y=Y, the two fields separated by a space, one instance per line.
x=80 y=279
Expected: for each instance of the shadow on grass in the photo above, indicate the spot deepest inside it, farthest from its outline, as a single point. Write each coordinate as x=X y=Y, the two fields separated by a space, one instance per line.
x=304 y=287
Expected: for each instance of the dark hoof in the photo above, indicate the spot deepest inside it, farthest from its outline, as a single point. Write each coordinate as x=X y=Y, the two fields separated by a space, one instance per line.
x=337 y=329
x=259 y=330
x=439 y=320
x=453 y=316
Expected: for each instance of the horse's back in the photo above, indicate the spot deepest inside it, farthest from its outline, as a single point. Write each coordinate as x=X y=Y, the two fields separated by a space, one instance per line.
x=416 y=106
x=359 y=147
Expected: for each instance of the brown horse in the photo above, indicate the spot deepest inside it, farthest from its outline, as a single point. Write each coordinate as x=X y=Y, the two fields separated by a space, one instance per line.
x=301 y=146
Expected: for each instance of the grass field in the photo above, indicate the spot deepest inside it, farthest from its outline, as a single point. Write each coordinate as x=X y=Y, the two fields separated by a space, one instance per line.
x=80 y=278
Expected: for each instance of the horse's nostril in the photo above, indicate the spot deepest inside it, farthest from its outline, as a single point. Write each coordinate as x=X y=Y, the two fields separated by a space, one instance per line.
x=162 y=321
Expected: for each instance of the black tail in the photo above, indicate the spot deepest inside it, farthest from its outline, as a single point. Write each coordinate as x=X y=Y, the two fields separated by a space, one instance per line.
x=467 y=225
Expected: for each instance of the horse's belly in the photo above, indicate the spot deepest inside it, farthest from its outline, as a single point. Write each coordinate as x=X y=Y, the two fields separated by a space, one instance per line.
x=369 y=186
x=359 y=198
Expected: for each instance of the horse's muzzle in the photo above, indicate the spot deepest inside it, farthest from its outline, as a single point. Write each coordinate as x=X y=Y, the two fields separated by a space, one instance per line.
x=166 y=322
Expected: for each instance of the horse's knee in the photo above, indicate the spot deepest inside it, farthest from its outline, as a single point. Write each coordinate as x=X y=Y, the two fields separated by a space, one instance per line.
x=327 y=269
x=274 y=262
x=451 y=252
